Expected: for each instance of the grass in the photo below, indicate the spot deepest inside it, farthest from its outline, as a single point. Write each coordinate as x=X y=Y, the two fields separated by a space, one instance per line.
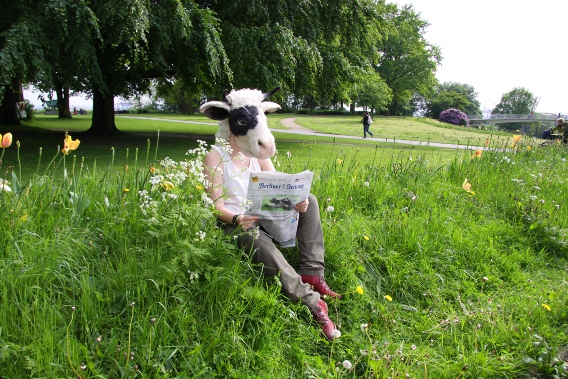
x=108 y=272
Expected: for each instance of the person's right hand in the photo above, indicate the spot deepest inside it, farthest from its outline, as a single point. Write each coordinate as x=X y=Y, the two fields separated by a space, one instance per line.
x=247 y=221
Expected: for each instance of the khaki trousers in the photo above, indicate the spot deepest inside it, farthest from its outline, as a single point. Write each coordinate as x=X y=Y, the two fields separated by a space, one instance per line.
x=310 y=245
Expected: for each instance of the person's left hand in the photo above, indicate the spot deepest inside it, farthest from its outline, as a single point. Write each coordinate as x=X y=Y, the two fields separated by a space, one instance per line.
x=303 y=206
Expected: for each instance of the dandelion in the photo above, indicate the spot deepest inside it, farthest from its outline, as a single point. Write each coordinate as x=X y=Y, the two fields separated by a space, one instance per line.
x=547 y=307
x=467 y=187
x=340 y=161
x=69 y=144
x=364 y=327
x=366 y=184
x=335 y=333
x=413 y=347
x=360 y=290
x=6 y=140
x=329 y=209
x=348 y=365
x=388 y=297
x=126 y=190
x=366 y=238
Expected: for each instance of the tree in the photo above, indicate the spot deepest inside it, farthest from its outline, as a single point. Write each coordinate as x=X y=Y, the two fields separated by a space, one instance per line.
x=408 y=62
x=129 y=44
x=371 y=91
x=21 y=56
x=446 y=100
x=517 y=101
x=179 y=95
x=67 y=53
x=141 y=41
x=311 y=49
x=453 y=95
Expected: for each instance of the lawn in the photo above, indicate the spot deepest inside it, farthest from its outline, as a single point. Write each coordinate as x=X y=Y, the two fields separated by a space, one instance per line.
x=452 y=264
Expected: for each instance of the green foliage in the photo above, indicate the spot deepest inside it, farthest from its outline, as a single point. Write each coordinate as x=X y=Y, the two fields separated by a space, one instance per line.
x=370 y=91
x=407 y=61
x=453 y=95
x=517 y=101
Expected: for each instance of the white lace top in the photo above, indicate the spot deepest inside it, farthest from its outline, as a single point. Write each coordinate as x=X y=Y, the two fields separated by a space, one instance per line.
x=236 y=182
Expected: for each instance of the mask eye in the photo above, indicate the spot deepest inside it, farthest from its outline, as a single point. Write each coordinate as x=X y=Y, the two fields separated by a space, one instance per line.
x=241 y=122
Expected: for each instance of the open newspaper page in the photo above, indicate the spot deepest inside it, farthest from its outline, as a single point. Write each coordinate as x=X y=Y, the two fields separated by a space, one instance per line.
x=272 y=196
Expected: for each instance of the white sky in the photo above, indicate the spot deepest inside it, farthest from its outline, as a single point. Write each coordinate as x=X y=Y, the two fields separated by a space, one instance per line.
x=493 y=45
x=497 y=45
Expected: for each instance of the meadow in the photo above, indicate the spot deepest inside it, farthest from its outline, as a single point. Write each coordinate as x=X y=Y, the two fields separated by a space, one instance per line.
x=452 y=263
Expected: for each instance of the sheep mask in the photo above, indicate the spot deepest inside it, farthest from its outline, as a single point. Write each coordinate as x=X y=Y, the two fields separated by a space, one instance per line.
x=243 y=113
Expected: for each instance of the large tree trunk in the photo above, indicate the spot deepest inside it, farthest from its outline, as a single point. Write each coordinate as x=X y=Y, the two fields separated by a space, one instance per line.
x=8 y=110
x=63 y=101
x=103 y=114
x=184 y=106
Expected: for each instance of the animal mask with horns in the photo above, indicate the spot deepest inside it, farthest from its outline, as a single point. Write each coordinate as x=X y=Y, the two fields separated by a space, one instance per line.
x=243 y=114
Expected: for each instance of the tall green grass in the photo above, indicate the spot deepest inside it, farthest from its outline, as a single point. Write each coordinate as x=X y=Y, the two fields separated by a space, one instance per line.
x=119 y=270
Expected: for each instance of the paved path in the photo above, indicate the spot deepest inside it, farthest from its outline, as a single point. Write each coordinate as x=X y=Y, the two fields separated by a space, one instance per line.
x=294 y=128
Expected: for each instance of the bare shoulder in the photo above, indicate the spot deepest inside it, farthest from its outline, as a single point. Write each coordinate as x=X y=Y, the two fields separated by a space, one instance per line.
x=212 y=159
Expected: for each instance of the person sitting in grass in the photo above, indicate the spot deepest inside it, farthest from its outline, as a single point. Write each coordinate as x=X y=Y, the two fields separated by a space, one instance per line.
x=227 y=170
x=560 y=129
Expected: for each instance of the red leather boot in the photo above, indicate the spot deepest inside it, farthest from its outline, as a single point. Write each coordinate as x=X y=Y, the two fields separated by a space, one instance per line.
x=321 y=317
x=319 y=285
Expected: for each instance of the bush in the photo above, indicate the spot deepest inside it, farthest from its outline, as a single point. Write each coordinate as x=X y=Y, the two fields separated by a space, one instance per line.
x=453 y=116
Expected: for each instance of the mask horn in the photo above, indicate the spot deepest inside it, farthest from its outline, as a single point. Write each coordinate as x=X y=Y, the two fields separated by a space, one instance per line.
x=268 y=94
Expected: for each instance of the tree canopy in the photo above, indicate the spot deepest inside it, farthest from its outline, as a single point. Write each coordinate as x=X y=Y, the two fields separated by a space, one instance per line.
x=517 y=101
x=408 y=62
x=317 y=51
x=453 y=95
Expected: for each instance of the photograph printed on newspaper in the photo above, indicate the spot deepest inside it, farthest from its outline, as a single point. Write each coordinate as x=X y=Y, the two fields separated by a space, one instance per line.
x=272 y=196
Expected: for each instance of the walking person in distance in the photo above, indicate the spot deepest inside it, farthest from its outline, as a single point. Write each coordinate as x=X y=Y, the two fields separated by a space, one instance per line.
x=367 y=121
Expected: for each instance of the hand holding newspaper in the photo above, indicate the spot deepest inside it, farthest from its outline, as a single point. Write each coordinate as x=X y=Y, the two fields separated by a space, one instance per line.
x=273 y=196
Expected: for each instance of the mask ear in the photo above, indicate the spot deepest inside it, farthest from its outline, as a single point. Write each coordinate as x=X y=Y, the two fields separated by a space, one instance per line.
x=215 y=110
x=269 y=107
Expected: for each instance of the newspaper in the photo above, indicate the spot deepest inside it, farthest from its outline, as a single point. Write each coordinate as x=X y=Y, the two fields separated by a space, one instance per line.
x=272 y=196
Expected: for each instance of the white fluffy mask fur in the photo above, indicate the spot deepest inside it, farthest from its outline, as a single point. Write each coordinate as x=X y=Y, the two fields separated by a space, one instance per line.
x=244 y=111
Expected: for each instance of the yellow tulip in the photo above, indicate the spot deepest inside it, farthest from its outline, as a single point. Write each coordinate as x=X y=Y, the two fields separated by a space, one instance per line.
x=6 y=140
x=167 y=185
x=69 y=144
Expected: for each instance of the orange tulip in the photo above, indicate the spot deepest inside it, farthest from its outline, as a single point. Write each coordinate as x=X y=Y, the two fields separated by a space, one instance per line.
x=6 y=140
x=478 y=153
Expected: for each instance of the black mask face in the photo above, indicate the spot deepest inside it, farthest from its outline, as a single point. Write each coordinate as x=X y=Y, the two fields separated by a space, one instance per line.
x=241 y=120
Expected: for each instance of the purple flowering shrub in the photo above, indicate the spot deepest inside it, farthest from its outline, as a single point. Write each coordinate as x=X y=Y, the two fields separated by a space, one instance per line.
x=453 y=116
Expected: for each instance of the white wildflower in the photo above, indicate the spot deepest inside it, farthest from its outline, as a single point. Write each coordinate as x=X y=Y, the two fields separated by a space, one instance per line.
x=4 y=187
x=348 y=365
x=366 y=184
x=329 y=209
